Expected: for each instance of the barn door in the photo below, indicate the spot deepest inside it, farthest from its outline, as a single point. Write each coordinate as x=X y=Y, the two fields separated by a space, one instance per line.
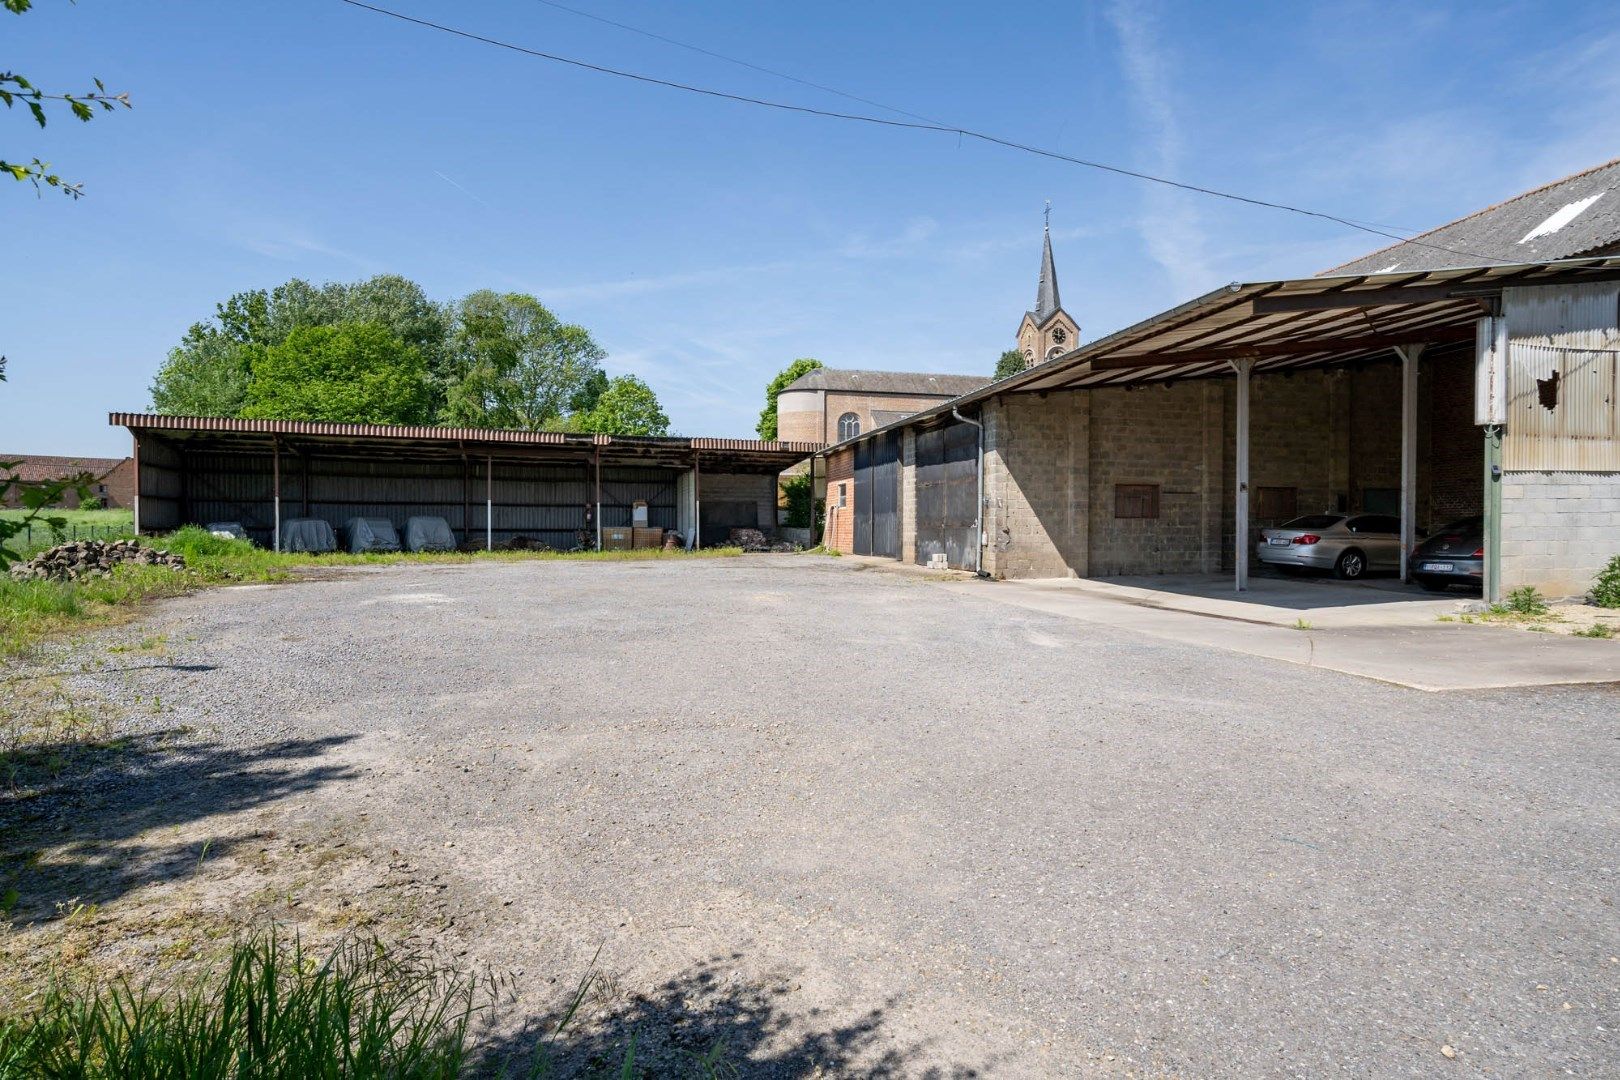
x=885 y=488
x=863 y=497
x=947 y=485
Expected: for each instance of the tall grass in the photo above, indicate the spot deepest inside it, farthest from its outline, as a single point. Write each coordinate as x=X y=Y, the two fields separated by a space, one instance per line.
x=273 y=1011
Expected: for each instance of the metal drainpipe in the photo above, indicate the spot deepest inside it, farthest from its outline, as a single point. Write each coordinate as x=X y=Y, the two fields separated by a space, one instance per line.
x=978 y=491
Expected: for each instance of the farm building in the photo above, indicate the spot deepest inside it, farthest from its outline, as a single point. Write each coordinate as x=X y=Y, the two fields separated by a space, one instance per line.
x=829 y=404
x=1427 y=395
x=112 y=480
x=492 y=487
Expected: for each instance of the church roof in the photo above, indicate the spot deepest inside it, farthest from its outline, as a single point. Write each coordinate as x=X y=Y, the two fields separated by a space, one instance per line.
x=921 y=383
x=1047 y=303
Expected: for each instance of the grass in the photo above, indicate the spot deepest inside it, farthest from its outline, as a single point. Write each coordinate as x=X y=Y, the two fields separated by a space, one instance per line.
x=1303 y=624
x=1596 y=630
x=77 y=525
x=33 y=610
x=273 y=1010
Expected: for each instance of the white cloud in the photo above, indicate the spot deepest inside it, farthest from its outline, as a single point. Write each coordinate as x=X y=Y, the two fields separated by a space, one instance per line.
x=908 y=241
x=1171 y=227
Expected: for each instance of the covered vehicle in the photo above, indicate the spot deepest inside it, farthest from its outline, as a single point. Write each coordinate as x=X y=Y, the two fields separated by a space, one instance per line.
x=370 y=534
x=1349 y=545
x=307 y=534
x=1454 y=555
x=429 y=534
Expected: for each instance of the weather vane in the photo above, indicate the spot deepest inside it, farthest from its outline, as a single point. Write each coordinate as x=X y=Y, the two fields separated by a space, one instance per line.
x=1048 y=215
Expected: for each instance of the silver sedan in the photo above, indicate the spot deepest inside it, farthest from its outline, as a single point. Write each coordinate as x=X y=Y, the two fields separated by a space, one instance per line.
x=1348 y=545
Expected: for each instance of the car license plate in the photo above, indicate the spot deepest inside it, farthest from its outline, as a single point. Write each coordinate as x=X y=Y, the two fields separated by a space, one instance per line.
x=1278 y=541
x=1438 y=567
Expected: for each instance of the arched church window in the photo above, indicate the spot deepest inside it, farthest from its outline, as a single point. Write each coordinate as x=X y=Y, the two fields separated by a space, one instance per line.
x=849 y=426
x=1056 y=350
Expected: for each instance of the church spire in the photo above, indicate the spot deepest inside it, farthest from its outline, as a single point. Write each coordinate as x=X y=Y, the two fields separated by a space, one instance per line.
x=1046 y=294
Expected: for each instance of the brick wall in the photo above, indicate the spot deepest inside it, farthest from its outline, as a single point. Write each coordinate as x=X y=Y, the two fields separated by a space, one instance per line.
x=1558 y=529
x=840 y=528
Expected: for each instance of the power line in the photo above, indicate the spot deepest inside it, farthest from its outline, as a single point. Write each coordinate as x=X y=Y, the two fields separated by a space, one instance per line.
x=734 y=60
x=879 y=121
x=796 y=79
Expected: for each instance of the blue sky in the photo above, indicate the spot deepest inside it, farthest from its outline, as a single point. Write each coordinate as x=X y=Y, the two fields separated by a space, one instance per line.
x=705 y=243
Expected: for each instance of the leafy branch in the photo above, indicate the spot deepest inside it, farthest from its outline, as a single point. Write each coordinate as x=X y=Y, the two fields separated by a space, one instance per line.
x=15 y=88
x=36 y=497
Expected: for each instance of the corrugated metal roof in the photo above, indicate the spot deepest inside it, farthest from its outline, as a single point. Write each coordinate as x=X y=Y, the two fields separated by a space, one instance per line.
x=1576 y=216
x=159 y=422
x=920 y=383
x=1294 y=323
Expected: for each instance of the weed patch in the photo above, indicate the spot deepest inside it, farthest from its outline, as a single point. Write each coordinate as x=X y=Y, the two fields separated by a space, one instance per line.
x=274 y=1010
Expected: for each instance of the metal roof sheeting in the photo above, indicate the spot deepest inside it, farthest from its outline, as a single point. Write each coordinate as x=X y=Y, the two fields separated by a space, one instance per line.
x=1578 y=215
x=158 y=422
x=1282 y=325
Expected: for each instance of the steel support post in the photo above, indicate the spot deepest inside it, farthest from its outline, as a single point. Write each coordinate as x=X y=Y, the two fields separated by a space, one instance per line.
x=1240 y=577
x=1409 y=398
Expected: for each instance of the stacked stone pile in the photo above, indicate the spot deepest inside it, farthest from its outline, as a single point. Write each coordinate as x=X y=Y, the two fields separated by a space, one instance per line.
x=92 y=558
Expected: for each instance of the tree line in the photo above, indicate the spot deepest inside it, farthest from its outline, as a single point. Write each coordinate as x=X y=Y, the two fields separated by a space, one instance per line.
x=380 y=351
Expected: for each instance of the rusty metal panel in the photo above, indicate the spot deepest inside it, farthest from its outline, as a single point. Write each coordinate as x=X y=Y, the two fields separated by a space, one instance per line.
x=1563 y=378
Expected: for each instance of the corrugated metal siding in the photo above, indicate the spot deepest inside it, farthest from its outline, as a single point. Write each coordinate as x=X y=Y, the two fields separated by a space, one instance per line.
x=1563 y=398
x=544 y=502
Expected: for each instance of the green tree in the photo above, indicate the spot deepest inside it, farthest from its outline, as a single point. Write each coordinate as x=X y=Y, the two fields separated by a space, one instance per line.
x=359 y=373
x=15 y=88
x=1011 y=362
x=793 y=372
x=516 y=365
x=627 y=406
x=207 y=373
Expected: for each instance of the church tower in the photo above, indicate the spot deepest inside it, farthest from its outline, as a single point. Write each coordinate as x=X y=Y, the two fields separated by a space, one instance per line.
x=1047 y=331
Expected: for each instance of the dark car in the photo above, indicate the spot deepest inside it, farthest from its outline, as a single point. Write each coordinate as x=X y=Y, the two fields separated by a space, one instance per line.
x=1453 y=555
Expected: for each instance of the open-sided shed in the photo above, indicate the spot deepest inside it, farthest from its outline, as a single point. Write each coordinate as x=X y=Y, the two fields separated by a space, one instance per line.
x=1426 y=396
x=560 y=490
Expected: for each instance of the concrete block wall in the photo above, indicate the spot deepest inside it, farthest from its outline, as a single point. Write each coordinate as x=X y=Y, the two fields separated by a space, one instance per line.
x=1558 y=529
x=1153 y=435
x=1052 y=463
x=1037 y=485
x=1453 y=485
x=757 y=488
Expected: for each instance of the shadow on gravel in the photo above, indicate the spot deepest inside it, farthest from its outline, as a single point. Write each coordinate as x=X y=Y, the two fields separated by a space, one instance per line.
x=102 y=827
x=703 y=1023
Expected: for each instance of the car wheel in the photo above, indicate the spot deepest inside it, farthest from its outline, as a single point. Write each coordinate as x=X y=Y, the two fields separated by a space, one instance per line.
x=1434 y=584
x=1351 y=565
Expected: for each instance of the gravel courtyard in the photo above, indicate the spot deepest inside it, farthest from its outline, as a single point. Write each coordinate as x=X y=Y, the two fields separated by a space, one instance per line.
x=842 y=820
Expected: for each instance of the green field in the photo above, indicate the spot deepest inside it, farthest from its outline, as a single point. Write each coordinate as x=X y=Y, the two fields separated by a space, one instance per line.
x=76 y=525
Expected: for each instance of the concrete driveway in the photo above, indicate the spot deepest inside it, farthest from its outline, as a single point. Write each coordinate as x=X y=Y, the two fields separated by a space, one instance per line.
x=867 y=824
